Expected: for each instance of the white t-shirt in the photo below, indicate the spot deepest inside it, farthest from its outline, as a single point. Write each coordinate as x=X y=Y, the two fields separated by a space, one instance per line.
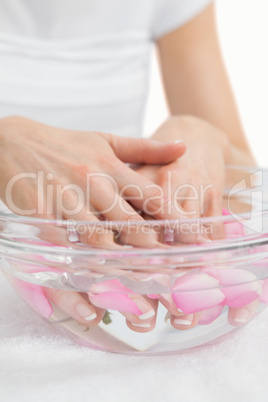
x=83 y=64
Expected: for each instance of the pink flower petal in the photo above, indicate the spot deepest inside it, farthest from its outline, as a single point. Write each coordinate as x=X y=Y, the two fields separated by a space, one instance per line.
x=114 y=301
x=30 y=268
x=264 y=294
x=210 y=315
x=196 y=292
x=238 y=296
x=34 y=296
x=239 y=286
x=154 y=296
x=110 y=286
x=195 y=281
x=113 y=295
x=232 y=228
x=162 y=279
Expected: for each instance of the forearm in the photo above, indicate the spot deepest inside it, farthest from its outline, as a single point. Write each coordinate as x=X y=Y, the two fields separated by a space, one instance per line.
x=241 y=157
x=196 y=82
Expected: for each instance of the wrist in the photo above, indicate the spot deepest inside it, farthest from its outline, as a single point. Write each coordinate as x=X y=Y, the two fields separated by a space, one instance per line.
x=241 y=157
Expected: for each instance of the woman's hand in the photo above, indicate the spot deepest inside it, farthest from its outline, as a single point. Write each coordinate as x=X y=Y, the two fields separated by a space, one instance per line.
x=51 y=172
x=199 y=176
x=196 y=180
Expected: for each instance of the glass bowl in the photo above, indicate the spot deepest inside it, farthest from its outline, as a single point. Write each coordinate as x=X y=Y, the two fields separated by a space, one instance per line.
x=157 y=287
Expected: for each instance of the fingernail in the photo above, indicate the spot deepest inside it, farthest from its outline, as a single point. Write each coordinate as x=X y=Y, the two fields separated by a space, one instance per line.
x=144 y=325
x=180 y=321
x=145 y=308
x=241 y=316
x=178 y=142
x=73 y=235
x=146 y=279
x=147 y=315
x=85 y=312
x=179 y=310
x=167 y=316
x=91 y=317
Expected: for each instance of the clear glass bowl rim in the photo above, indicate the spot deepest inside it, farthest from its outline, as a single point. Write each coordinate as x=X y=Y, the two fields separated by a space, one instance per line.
x=182 y=249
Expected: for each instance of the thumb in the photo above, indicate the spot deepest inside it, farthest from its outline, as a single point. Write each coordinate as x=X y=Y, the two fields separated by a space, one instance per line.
x=142 y=150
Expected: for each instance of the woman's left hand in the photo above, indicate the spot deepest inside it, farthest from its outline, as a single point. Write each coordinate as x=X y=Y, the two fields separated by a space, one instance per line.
x=195 y=180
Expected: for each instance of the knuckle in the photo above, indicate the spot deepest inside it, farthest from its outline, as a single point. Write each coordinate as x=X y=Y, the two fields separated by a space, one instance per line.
x=154 y=198
x=154 y=191
x=107 y=161
x=82 y=170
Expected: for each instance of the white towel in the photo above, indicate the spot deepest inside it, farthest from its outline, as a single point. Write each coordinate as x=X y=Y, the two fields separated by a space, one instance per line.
x=37 y=364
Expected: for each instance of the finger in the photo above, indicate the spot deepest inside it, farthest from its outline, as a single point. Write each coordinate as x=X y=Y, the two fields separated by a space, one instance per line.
x=210 y=315
x=116 y=209
x=184 y=194
x=144 y=194
x=134 y=306
x=187 y=203
x=141 y=236
x=112 y=206
x=146 y=321
x=178 y=319
x=87 y=226
x=152 y=200
x=191 y=206
x=75 y=305
x=168 y=302
x=241 y=316
x=213 y=206
x=142 y=327
x=192 y=230
x=139 y=311
x=185 y=321
x=142 y=150
x=54 y=234
x=91 y=231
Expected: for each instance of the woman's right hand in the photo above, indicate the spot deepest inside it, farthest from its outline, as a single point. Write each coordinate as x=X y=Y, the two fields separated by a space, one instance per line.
x=48 y=172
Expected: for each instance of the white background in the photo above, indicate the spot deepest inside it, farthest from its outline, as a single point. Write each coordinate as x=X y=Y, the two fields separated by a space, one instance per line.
x=243 y=30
